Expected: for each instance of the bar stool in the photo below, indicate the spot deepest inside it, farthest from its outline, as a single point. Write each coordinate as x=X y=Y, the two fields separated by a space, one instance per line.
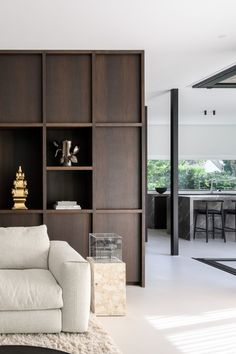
x=210 y=212
x=227 y=212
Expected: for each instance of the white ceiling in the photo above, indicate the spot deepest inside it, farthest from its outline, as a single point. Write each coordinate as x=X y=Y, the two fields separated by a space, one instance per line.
x=184 y=40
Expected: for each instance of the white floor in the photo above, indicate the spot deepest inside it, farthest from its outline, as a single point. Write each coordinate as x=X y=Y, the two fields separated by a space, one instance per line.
x=186 y=306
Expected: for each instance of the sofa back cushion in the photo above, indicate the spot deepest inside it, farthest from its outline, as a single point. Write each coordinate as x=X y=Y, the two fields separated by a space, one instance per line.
x=24 y=247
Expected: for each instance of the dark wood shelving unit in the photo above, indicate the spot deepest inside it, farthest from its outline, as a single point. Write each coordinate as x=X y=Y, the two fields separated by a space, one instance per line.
x=95 y=99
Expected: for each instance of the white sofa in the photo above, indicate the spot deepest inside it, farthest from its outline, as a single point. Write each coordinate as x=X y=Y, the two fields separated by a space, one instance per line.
x=44 y=286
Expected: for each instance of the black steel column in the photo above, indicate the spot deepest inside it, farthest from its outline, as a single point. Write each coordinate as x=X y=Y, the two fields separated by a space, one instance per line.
x=146 y=162
x=174 y=188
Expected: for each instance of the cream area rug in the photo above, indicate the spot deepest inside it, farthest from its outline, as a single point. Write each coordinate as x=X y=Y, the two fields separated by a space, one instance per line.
x=95 y=341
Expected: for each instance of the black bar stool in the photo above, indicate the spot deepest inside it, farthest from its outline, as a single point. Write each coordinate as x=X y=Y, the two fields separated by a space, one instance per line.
x=227 y=212
x=210 y=211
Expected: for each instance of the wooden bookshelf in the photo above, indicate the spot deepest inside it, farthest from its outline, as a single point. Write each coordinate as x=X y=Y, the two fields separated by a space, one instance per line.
x=95 y=99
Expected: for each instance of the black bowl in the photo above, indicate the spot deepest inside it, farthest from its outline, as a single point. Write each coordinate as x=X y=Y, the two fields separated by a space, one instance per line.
x=161 y=190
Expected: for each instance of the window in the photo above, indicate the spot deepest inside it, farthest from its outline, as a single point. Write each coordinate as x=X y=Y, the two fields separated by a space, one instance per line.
x=194 y=174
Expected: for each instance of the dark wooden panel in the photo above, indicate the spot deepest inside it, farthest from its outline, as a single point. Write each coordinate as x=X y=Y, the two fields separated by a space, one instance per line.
x=20 y=219
x=21 y=147
x=129 y=227
x=73 y=228
x=20 y=88
x=118 y=88
x=70 y=185
x=118 y=168
x=79 y=136
x=68 y=88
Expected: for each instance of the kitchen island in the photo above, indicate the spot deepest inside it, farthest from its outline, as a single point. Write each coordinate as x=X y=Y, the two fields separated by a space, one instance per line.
x=189 y=202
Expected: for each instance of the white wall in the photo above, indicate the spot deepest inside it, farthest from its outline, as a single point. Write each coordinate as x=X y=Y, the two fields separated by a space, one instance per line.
x=200 y=136
x=195 y=141
x=184 y=41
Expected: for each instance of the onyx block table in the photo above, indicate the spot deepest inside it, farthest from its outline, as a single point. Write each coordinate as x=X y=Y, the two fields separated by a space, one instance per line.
x=108 y=292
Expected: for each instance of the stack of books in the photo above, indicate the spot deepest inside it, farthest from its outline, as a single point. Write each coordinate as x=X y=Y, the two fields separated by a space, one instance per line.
x=66 y=204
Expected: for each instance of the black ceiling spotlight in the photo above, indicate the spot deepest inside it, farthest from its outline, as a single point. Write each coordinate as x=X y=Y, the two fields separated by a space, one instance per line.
x=224 y=79
x=211 y=113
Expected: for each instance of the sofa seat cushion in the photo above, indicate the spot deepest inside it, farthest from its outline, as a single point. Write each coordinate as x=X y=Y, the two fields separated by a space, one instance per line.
x=29 y=289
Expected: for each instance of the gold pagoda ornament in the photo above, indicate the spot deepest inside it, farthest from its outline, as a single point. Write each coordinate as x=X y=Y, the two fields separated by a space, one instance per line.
x=19 y=192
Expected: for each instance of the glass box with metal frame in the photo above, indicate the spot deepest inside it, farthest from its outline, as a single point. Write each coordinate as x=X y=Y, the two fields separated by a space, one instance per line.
x=105 y=247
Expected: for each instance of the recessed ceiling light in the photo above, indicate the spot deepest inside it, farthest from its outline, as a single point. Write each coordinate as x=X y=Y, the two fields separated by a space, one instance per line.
x=209 y=113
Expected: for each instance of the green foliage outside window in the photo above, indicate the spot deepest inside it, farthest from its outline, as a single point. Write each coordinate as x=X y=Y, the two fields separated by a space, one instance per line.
x=192 y=175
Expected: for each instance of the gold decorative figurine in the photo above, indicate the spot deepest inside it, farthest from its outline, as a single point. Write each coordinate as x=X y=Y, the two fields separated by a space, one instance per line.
x=19 y=192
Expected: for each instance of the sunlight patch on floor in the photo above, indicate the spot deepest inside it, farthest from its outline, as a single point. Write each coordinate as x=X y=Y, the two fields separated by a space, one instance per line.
x=166 y=322
x=209 y=340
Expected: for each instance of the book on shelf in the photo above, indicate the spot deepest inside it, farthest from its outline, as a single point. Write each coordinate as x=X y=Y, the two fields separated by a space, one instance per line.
x=63 y=205
x=66 y=203
x=76 y=207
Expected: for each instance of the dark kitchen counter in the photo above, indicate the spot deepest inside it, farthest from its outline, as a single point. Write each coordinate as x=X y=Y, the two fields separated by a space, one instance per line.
x=158 y=215
x=187 y=204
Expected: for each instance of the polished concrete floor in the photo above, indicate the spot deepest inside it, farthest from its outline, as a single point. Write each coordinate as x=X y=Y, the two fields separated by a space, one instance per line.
x=186 y=307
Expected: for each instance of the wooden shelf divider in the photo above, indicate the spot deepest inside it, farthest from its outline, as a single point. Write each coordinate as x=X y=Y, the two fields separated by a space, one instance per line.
x=68 y=125
x=118 y=125
x=20 y=211
x=21 y=125
x=69 y=211
x=72 y=168
x=119 y=211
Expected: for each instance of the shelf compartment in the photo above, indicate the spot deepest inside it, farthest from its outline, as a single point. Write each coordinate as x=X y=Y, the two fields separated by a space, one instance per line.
x=120 y=165
x=72 y=228
x=118 y=88
x=72 y=168
x=129 y=227
x=21 y=88
x=69 y=88
x=79 y=136
x=21 y=147
x=69 y=185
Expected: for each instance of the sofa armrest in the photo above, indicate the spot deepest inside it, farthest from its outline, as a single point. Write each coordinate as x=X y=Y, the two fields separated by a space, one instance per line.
x=72 y=272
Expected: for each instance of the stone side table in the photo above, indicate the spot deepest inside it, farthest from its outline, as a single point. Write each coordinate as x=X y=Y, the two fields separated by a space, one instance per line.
x=108 y=293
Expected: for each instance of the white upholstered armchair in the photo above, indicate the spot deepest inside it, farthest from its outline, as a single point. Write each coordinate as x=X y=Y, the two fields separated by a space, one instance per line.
x=44 y=286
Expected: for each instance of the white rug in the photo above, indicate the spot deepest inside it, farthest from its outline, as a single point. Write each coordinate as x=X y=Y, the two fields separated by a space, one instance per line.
x=95 y=341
